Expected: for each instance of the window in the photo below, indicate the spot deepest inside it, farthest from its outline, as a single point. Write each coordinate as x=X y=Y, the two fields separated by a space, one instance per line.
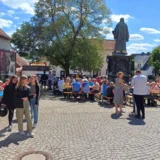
x=54 y=73
x=139 y=65
x=62 y=73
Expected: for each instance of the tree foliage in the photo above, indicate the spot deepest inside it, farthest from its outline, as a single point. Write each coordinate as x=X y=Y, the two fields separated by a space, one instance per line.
x=63 y=32
x=155 y=60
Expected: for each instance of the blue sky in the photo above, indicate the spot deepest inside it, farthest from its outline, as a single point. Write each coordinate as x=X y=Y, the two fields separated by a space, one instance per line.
x=141 y=16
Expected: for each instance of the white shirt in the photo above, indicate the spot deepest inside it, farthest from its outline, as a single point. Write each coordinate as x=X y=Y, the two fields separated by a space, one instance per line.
x=139 y=83
x=60 y=85
x=50 y=77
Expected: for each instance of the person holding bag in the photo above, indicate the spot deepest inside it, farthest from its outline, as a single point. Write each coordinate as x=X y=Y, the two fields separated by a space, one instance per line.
x=22 y=106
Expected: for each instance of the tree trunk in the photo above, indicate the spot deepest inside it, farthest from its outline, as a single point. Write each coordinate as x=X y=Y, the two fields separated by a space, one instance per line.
x=66 y=67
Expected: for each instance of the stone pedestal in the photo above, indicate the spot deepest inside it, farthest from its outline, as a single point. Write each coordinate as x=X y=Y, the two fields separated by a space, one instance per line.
x=119 y=62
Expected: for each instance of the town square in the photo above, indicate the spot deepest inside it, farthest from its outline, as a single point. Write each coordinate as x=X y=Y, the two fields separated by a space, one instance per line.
x=79 y=80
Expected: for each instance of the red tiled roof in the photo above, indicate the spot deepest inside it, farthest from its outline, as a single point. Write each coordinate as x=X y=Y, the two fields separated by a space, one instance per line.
x=109 y=44
x=4 y=35
x=21 y=61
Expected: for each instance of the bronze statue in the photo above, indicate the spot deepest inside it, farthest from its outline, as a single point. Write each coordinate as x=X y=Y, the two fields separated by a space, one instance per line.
x=121 y=35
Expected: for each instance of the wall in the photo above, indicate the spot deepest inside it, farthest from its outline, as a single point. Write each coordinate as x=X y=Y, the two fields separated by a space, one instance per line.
x=105 y=64
x=5 y=44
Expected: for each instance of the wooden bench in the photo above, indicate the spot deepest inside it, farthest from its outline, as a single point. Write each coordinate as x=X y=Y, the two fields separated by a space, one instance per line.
x=106 y=98
x=97 y=95
x=129 y=98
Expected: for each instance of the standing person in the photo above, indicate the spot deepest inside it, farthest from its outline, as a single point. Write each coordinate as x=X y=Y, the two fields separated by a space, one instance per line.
x=139 y=83
x=34 y=99
x=60 y=85
x=50 y=81
x=44 y=78
x=118 y=92
x=22 y=106
x=8 y=99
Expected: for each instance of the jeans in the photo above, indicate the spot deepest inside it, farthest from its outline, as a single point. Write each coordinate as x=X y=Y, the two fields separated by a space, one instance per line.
x=10 y=115
x=50 y=84
x=34 y=110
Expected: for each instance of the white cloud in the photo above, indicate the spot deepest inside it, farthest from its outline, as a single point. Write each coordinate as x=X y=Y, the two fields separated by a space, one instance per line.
x=150 y=30
x=105 y=20
x=136 y=37
x=2 y=14
x=10 y=33
x=25 y=5
x=11 y=12
x=139 y=47
x=156 y=40
x=16 y=17
x=5 y=23
x=116 y=17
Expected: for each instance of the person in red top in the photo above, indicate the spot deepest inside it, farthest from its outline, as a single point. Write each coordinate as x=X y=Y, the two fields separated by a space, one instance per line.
x=6 y=83
x=99 y=80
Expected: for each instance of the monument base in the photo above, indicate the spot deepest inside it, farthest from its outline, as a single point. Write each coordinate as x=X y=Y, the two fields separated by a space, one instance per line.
x=119 y=63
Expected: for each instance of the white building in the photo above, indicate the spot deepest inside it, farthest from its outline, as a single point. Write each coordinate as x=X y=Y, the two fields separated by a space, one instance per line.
x=7 y=57
x=141 y=61
x=4 y=40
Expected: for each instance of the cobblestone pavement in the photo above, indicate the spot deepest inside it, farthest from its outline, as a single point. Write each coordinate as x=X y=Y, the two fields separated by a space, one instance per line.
x=86 y=131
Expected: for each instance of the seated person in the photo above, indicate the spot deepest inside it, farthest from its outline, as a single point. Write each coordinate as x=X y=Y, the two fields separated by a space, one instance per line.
x=76 y=87
x=95 y=89
x=110 y=93
x=104 y=86
x=67 y=87
x=85 y=88
x=91 y=83
x=155 y=88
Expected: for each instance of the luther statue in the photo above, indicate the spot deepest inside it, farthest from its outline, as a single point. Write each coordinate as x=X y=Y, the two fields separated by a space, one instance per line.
x=121 y=35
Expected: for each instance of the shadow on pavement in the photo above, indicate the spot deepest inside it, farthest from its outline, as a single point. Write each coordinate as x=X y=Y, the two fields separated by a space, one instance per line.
x=135 y=121
x=2 y=132
x=105 y=105
x=115 y=116
x=14 y=138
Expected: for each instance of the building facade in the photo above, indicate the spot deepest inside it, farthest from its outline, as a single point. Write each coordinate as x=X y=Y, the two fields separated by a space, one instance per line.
x=141 y=61
x=7 y=57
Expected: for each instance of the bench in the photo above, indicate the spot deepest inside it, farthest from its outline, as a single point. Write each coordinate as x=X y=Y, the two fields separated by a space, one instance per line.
x=97 y=95
x=106 y=98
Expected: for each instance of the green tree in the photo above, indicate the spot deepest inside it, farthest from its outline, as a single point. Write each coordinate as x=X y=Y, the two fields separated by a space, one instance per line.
x=63 y=30
x=155 y=60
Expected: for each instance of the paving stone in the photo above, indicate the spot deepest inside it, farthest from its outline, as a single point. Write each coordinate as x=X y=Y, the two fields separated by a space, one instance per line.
x=85 y=131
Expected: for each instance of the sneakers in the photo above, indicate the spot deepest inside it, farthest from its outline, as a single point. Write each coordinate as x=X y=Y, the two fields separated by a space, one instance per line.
x=35 y=125
x=30 y=134
x=9 y=128
x=22 y=133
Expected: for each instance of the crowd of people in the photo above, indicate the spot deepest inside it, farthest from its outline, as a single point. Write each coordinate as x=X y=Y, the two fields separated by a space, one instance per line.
x=21 y=94
x=138 y=86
